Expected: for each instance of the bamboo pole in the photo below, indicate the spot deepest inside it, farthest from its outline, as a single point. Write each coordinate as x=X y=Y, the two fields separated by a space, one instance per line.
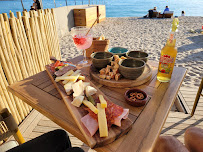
x=46 y=51
x=13 y=54
x=23 y=49
x=50 y=36
x=33 y=69
x=2 y=104
x=17 y=48
x=47 y=31
x=30 y=41
x=39 y=39
x=8 y=97
x=36 y=43
x=56 y=34
x=8 y=52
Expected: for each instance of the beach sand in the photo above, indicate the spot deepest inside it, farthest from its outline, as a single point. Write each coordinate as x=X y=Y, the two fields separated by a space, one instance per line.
x=151 y=35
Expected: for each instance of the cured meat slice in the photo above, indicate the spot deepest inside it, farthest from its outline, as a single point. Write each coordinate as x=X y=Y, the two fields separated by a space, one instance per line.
x=124 y=115
x=63 y=70
x=90 y=124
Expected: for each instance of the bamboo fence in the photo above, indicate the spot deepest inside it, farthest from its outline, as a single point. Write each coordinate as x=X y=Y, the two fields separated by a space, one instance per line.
x=26 y=43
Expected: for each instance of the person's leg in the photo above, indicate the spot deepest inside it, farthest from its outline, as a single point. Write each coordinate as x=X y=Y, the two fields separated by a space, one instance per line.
x=169 y=144
x=54 y=141
x=194 y=139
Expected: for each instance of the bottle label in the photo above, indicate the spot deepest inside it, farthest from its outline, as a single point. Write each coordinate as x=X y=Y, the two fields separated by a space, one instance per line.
x=165 y=64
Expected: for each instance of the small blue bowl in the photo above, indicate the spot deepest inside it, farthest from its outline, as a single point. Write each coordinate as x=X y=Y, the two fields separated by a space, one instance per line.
x=120 y=51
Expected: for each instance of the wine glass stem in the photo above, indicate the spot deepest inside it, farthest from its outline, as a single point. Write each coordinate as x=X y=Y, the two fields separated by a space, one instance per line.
x=85 y=58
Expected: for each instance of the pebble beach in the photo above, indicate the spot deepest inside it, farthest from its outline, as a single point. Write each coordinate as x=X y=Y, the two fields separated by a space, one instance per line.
x=150 y=35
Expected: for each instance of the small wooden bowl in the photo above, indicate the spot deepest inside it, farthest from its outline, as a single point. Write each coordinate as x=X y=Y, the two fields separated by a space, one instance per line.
x=140 y=55
x=101 y=59
x=138 y=102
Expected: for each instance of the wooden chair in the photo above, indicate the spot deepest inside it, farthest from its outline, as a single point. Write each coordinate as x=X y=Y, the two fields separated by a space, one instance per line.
x=199 y=93
x=9 y=127
x=168 y=14
x=155 y=14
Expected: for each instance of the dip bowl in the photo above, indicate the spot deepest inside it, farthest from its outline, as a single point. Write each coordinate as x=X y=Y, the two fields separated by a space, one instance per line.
x=131 y=68
x=120 y=51
x=101 y=59
x=140 y=55
x=136 y=97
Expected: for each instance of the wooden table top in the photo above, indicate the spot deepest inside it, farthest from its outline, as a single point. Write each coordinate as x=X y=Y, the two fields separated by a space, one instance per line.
x=39 y=92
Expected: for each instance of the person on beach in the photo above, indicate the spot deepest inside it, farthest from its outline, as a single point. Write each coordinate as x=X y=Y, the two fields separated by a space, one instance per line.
x=193 y=142
x=183 y=13
x=150 y=12
x=166 y=9
x=36 y=5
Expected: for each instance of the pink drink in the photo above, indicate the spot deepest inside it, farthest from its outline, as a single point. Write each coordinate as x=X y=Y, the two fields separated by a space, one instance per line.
x=83 y=41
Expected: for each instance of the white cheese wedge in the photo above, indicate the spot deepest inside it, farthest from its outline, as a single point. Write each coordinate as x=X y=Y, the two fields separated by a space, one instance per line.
x=90 y=91
x=85 y=84
x=102 y=101
x=90 y=106
x=68 y=87
x=103 y=129
x=78 y=89
x=77 y=101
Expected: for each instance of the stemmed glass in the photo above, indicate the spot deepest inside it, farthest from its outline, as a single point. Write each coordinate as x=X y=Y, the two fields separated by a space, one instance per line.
x=82 y=37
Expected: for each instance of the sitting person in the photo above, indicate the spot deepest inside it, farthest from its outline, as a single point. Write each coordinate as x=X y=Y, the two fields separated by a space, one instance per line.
x=193 y=142
x=53 y=141
x=150 y=12
x=166 y=9
x=183 y=13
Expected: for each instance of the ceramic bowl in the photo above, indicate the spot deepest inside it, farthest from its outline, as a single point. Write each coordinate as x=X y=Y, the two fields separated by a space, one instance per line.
x=137 y=102
x=131 y=68
x=101 y=59
x=138 y=55
x=120 y=51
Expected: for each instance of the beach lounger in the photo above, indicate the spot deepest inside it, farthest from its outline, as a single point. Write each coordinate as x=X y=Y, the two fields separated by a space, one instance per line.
x=155 y=14
x=168 y=14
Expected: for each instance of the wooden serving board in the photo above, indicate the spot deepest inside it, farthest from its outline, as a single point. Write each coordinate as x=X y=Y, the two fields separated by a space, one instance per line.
x=77 y=113
x=123 y=82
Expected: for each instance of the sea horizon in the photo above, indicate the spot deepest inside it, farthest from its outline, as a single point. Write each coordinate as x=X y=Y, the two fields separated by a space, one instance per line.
x=116 y=8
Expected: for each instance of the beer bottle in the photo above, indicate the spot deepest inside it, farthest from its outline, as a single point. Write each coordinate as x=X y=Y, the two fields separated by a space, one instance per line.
x=168 y=55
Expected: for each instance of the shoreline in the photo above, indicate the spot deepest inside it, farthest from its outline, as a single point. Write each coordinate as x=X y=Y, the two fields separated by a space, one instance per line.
x=150 y=35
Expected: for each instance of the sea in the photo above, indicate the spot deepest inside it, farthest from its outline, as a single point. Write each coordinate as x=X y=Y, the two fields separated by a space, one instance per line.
x=115 y=8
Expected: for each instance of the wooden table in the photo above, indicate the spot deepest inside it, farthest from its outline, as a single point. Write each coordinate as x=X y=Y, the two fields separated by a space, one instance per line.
x=39 y=92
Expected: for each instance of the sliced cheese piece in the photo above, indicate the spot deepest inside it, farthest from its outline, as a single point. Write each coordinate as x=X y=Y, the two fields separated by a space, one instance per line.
x=68 y=87
x=73 y=74
x=78 y=89
x=85 y=84
x=81 y=77
x=68 y=73
x=61 y=78
x=102 y=101
x=90 y=91
x=103 y=129
x=77 y=101
x=90 y=106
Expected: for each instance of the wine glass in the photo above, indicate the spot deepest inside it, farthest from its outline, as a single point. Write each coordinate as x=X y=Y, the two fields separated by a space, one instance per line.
x=82 y=37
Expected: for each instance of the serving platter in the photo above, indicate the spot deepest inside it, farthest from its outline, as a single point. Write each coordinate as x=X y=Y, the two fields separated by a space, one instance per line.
x=77 y=113
x=123 y=82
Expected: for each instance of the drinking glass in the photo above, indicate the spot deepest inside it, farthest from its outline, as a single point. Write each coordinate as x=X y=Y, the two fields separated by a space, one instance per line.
x=83 y=40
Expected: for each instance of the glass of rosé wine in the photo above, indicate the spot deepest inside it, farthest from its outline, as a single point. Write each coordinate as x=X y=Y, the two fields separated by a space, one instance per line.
x=83 y=40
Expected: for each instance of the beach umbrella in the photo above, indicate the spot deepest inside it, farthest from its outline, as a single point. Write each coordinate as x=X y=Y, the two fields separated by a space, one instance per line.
x=66 y=3
x=55 y=3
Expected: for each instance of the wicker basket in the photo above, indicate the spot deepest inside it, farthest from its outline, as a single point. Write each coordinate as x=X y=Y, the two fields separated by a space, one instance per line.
x=98 y=46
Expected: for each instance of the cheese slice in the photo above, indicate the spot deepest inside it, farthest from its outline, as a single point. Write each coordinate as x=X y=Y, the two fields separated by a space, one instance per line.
x=90 y=106
x=68 y=73
x=68 y=87
x=78 y=89
x=102 y=101
x=61 y=78
x=77 y=101
x=103 y=129
x=81 y=77
x=73 y=74
x=90 y=91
